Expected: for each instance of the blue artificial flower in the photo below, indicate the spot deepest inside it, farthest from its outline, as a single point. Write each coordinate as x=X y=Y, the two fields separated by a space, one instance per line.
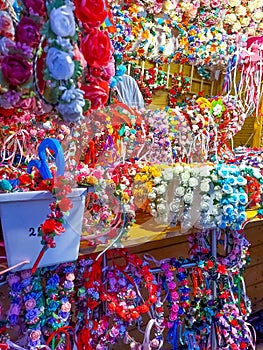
x=243 y=199
x=231 y=180
x=68 y=285
x=53 y=281
x=242 y=217
x=32 y=314
x=53 y=305
x=223 y=224
x=241 y=181
x=228 y=209
x=223 y=172
x=234 y=198
x=113 y=82
x=227 y=189
x=121 y=69
x=17 y=287
x=233 y=169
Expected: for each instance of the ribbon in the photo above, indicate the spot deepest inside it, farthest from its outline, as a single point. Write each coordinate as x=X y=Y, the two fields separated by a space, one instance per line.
x=172 y=335
x=13 y=140
x=64 y=330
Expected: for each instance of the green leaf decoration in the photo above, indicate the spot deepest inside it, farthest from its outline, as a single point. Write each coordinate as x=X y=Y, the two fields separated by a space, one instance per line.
x=51 y=94
x=45 y=30
x=55 y=4
x=77 y=70
x=86 y=106
x=47 y=76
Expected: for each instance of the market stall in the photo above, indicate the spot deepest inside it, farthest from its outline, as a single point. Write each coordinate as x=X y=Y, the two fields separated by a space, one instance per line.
x=91 y=185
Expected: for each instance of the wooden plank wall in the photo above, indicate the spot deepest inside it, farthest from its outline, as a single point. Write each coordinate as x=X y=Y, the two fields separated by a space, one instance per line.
x=178 y=246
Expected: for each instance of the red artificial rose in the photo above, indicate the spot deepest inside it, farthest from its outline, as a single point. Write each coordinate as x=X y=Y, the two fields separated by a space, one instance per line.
x=38 y=6
x=25 y=180
x=27 y=32
x=97 y=94
x=96 y=48
x=51 y=225
x=16 y=70
x=90 y=12
x=65 y=204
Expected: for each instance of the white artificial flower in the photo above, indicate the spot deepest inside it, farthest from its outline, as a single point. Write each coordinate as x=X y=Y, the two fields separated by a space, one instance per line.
x=241 y=10
x=152 y=196
x=188 y=198
x=178 y=169
x=204 y=206
x=174 y=206
x=256 y=173
x=154 y=213
x=185 y=176
x=236 y=27
x=179 y=191
x=217 y=109
x=157 y=180
x=167 y=174
x=160 y=189
x=204 y=186
x=218 y=195
x=193 y=182
x=230 y=18
x=244 y=21
x=204 y=171
x=161 y=208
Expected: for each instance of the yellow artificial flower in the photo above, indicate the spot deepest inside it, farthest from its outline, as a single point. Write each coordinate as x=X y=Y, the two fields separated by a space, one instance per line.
x=91 y=180
x=125 y=197
x=203 y=102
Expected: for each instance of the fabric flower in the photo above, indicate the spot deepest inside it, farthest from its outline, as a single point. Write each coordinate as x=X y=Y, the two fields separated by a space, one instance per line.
x=27 y=31
x=193 y=182
x=62 y=21
x=51 y=225
x=97 y=94
x=179 y=191
x=65 y=204
x=16 y=70
x=60 y=64
x=35 y=335
x=227 y=189
x=71 y=105
x=91 y=12
x=188 y=198
x=96 y=48
x=38 y=6
x=204 y=186
x=243 y=198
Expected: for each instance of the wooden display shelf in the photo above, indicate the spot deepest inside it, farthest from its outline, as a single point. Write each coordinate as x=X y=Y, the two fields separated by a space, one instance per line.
x=146 y=230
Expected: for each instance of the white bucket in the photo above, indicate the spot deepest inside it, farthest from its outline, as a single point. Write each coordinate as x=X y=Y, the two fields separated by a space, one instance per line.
x=22 y=213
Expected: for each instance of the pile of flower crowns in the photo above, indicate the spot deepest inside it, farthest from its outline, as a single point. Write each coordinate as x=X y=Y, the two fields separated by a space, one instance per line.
x=134 y=290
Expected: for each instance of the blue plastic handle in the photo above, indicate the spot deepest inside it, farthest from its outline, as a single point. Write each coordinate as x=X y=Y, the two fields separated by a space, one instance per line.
x=42 y=164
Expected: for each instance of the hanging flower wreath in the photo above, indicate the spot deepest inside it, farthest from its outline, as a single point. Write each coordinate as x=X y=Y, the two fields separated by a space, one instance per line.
x=180 y=86
x=143 y=86
x=19 y=44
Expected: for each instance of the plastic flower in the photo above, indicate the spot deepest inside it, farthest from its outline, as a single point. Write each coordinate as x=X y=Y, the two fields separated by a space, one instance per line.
x=62 y=21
